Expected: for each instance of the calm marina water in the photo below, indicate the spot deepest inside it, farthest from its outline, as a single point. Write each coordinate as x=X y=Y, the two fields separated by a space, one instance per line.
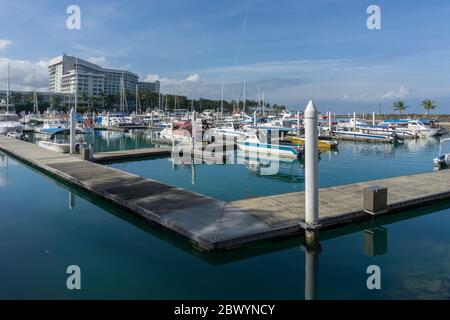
x=47 y=226
x=352 y=162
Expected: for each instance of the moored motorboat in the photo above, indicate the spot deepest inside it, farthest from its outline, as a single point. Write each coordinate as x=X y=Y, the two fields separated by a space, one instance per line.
x=260 y=140
x=57 y=140
x=321 y=144
x=443 y=161
x=360 y=135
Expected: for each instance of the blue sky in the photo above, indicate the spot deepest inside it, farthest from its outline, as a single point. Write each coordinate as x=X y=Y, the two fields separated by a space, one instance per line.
x=292 y=50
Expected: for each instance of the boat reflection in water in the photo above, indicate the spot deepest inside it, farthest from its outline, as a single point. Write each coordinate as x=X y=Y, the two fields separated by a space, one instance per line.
x=109 y=140
x=3 y=169
x=271 y=166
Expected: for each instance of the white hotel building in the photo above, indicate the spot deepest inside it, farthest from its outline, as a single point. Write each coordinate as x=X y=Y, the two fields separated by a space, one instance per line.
x=65 y=71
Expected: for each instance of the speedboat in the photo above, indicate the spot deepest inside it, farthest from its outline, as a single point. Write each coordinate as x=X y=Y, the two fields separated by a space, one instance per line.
x=322 y=144
x=415 y=127
x=230 y=129
x=259 y=140
x=366 y=136
x=177 y=132
x=54 y=123
x=442 y=161
x=57 y=140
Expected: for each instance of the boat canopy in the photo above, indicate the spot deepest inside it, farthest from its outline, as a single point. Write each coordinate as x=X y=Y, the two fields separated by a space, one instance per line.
x=396 y=121
x=269 y=128
x=55 y=131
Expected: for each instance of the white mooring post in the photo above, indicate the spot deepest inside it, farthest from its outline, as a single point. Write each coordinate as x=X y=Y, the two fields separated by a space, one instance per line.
x=329 y=122
x=72 y=131
x=311 y=165
x=373 y=118
x=107 y=119
x=194 y=131
x=255 y=122
x=354 y=120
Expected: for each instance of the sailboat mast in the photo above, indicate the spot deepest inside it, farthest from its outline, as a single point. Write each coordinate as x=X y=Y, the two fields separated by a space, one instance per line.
x=35 y=100
x=159 y=98
x=244 y=98
x=76 y=85
x=221 y=102
x=7 y=87
x=263 y=105
x=137 y=100
x=192 y=100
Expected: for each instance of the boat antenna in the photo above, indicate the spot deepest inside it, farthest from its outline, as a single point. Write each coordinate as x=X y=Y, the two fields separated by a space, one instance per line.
x=243 y=109
x=221 y=102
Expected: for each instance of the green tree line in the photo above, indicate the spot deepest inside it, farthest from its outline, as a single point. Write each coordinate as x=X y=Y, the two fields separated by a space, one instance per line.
x=147 y=99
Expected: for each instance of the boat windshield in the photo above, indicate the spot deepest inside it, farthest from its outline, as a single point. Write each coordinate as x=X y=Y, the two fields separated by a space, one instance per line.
x=8 y=117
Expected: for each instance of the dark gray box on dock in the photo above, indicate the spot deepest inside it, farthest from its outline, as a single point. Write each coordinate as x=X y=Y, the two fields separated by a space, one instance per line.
x=85 y=153
x=375 y=200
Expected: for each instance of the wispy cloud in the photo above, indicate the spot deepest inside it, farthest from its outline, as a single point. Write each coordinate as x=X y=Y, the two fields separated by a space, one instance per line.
x=21 y=74
x=193 y=77
x=4 y=43
x=101 y=60
x=399 y=93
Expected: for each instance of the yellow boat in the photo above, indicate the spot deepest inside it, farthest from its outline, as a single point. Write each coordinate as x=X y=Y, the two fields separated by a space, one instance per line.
x=322 y=144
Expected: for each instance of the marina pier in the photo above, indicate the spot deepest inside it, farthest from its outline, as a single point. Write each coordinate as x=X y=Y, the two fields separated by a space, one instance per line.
x=213 y=224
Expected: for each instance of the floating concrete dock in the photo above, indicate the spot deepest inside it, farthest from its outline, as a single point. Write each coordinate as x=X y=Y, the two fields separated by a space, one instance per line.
x=213 y=224
x=124 y=155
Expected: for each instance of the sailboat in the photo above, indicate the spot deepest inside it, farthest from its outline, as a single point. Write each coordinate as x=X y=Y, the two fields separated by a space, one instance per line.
x=9 y=120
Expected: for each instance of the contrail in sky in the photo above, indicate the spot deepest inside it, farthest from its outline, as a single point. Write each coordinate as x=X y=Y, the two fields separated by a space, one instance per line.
x=238 y=54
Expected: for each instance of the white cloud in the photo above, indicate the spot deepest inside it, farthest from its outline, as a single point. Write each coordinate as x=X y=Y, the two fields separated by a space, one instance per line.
x=4 y=43
x=193 y=77
x=100 y=60
x=401 y=93
x=152 y=78
x=21 y=74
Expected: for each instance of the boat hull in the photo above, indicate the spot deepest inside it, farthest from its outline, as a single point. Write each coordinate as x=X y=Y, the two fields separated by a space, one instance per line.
x=57 y=147
x=268 y=149
x=322 y=144
x=363 y=136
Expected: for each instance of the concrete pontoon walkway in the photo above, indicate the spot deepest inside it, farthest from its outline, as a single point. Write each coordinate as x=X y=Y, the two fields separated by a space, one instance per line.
x=214 y=224
x=103 y=157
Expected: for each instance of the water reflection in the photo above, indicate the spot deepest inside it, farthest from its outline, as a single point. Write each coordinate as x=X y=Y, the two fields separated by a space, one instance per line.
x=375 y=241
x=71 y=200
x=3 y=169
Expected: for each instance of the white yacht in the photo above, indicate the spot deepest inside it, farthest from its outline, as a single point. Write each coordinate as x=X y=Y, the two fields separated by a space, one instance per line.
x=53 y=123
x=113 y=120
x=443 y=160
x=258 y=140
x=230 y=129
x=416 y=127
x=57 y=139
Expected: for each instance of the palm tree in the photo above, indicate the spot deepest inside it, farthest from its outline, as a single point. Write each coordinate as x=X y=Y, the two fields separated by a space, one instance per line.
x=84 y=98
x=102 y=97
x=399 y=106
x=428 y=105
